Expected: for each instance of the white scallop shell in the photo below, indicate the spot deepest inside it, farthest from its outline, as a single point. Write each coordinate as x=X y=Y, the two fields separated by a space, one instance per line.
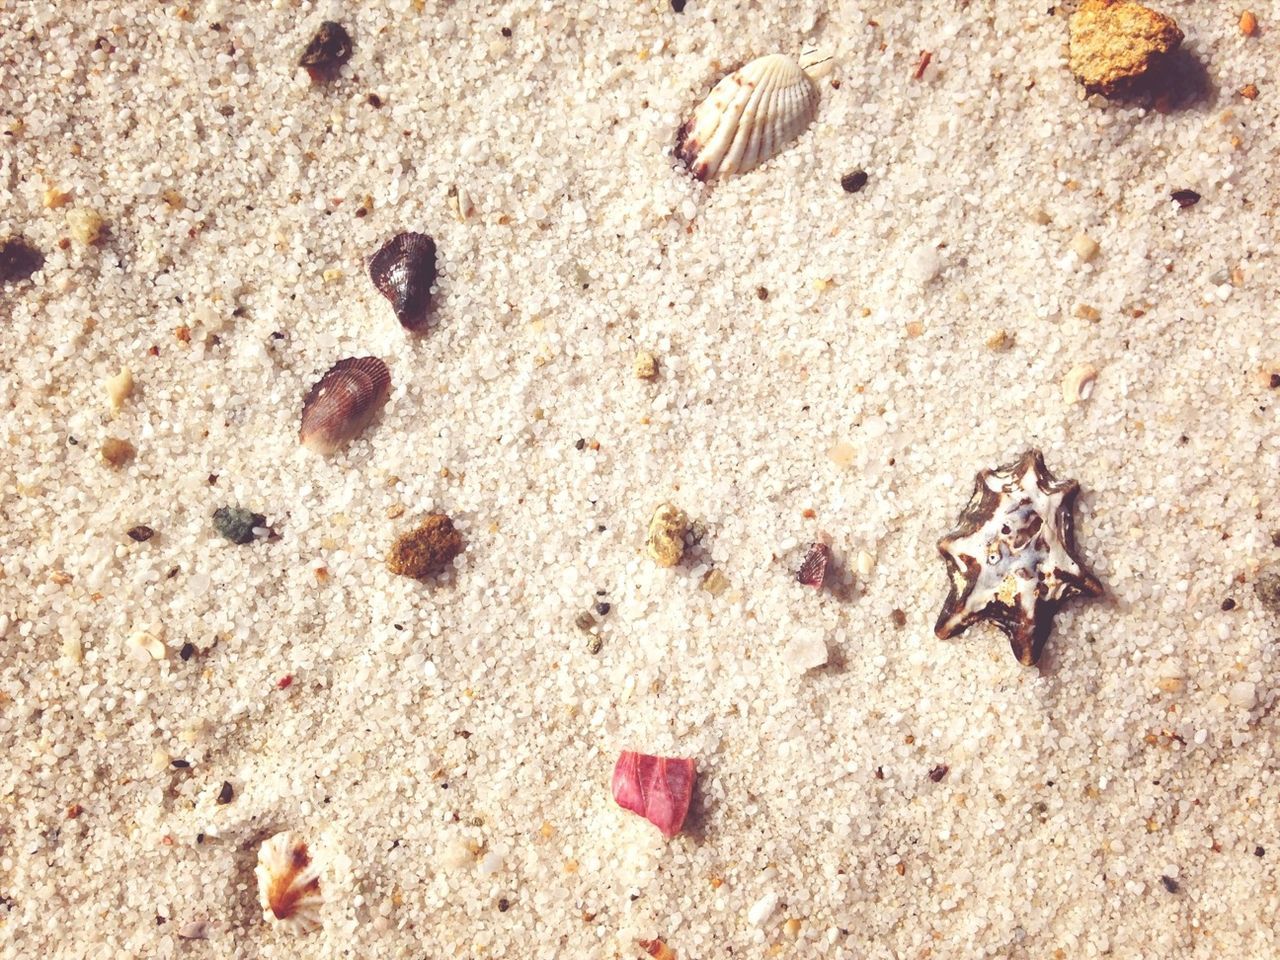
x=288 y=884
x=751 y=115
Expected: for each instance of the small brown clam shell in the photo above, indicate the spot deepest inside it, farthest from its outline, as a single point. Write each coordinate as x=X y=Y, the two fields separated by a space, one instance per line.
x=343 y=402
x=403 y=270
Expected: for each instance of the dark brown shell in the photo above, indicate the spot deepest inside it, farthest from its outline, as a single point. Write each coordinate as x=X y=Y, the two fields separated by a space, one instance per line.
x=343 y=402
x=813 y=571
x=328 y=50
x=403 y=270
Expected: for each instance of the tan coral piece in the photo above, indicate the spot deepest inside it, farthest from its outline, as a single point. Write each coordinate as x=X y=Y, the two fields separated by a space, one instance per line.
x=667 y=530
x=1116 y=43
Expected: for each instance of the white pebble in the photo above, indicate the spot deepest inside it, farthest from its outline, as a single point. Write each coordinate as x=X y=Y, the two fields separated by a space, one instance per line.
x=762 y=909
x=806 y=650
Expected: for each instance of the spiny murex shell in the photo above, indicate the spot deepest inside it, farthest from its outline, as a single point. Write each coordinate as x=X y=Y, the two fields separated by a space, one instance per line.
x=288 y=884
x=343 y=402
x=752 y=114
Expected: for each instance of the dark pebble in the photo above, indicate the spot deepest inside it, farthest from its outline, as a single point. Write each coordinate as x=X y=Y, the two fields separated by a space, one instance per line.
x=602 y=608
x=328 y=50
x=236 y=524
x=1170 y=884
x=375 y=101
x=188 y=651
x=506 y=31
x=1228 y=604
x=678 y=5
x=1275 y=381
x=938 y=772
x=504 y=905
x=762 y=293
x=899 y=618
x=226 y=793
x=18 y=260
x=580 y=444
x=853 y=182
x=182 y=764
x=1267 y=587
x=1185 y=198
x=1259 y=851
x=141 y=533
x=584 y=621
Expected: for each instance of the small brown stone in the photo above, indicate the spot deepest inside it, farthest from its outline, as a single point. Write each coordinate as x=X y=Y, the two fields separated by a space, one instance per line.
x=1115 y=44
x=117 y=452
x=427 y=550
x=328 y=50
x=645 y=365
x=1249 y=91
x=1248 y=23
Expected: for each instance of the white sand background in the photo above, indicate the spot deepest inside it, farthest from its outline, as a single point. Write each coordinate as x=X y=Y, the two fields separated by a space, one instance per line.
x=448 y=747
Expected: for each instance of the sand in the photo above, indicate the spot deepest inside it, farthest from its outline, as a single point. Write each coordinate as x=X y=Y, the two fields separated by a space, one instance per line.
x=828 y=363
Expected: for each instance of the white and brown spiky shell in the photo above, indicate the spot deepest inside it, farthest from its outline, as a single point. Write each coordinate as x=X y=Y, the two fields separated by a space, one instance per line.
x=343 y=403
x=288 y=884
x=749 y=116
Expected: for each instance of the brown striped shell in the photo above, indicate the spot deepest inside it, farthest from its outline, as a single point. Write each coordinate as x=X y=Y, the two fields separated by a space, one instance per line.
x=403 y=270
x=343 y=403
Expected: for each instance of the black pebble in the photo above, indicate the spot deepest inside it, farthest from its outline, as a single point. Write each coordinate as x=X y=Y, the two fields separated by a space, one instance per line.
x=226 y=793
x=1185 y=198
x=580 y=444
x=504 y=905
x=141 y=533
x=182 y=764
x=1259 y=851
x=853 y=182
x=1170 y=884
x=678 y=5
x=602 y=608
x=188 y=651
x=328 y=50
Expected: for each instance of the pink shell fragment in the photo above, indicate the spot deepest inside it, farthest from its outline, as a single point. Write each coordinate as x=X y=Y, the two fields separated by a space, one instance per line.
x=657 y=788
x=813 y=571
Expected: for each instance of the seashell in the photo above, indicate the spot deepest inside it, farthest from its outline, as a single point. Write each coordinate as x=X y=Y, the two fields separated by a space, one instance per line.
x=751 y=115
x=813 y=570
x=288 y=884
x=1077 y=385
x=343 y=402
x=657 y=788
x=403 y=270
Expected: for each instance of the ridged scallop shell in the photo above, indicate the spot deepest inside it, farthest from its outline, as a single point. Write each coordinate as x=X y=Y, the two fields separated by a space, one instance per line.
x=343 y=402
x=403 y=270
x=750 y=116
x=288 y=884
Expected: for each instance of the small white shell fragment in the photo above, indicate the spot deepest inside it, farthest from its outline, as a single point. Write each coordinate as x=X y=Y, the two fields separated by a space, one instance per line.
x=866 y=564
x=762 y=909
x=145 y=646
x=1084 y=246
x=806 y=650
x=460 y=202
x=1077 y=385
x=288 y=884
x=750 y=116
x=195 y=930
x=455 y=854
x=119 y=388
x=1243 y=695
x=490 y=864
x=923 y=264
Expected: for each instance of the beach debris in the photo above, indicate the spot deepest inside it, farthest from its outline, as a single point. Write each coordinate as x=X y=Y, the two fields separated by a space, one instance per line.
x=595 y=643
x=813 y=570
x=328 y=50
x=403 y=270
x=853 y=182
x=751 y=115
x=1267 y=588
x=237 y=524
x=760 y=911
x=1116 y=44
x=678 y=5
x=116 y=452
x=665 y=540
x=1002 y=341
x=658 y=949
x=343 y=402
x=715 y=582
x=1185 y=198
x=195 y=930
x=806 y=650
x=938 y=773
x=1012 y=560
x=86 y=225
x=288 y=884
x=145 y=645
x=657 y=788
x=1077 y=385
x=1249 y=91
x=460 y=202
x=141 y=533
x=119 y=388
x=1084 y=247
x=645 y=365
x=1170 y=884
x=926 y=57
x=426 y=550
x=18 y=259
x=584 y=621
x=1249 y=23
x=226 y=793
